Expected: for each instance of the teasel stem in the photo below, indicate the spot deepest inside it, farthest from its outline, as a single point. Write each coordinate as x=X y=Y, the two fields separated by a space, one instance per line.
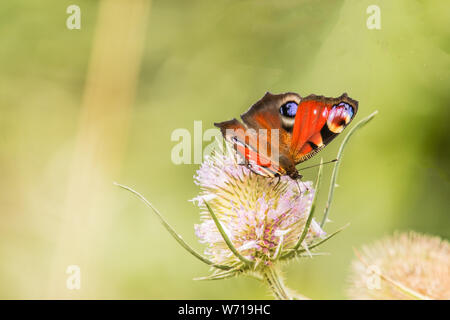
x=275 y=283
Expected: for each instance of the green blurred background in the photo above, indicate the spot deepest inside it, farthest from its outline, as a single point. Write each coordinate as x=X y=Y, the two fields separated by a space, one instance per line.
x=81 y=109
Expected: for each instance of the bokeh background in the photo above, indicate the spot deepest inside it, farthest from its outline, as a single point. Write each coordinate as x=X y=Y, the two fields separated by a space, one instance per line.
x=81 y=109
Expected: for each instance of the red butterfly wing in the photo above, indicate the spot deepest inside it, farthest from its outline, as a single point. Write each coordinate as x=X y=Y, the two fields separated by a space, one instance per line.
x=262 y=140
x=303 y=128
x=318 y=121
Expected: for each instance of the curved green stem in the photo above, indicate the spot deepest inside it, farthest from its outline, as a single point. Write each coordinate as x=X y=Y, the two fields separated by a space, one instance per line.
x=313 y=207
x=226 y=239
x=336 y=166
x=293 y=253
x=176 y=236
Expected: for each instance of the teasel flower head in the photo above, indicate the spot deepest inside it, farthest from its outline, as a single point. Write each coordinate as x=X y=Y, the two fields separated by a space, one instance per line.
x=263 y=218
x=402 y=266
x=250 y=223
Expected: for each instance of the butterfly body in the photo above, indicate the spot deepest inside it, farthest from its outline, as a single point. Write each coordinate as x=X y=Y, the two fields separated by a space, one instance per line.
x=280 y=131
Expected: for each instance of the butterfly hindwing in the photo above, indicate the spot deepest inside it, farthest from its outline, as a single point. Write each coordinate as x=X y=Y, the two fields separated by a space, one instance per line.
x=318 y=121
x=247 y=143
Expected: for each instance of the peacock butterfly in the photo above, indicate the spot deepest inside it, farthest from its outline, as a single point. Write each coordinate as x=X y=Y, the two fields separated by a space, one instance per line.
x=282 y=130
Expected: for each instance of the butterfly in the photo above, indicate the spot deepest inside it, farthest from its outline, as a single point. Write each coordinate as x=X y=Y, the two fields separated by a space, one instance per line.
x=282 y=130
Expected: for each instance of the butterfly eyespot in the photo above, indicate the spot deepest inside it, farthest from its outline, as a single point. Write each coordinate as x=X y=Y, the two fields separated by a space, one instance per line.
x=289 y=109
x=340 y=116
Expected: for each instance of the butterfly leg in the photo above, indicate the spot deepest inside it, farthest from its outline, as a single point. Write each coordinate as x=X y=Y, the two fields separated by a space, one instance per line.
x=304 y=185
x=292 y=171
x=278 y=181
x=297 y=177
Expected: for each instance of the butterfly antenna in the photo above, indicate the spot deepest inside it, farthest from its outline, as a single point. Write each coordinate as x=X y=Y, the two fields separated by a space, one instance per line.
x=317 y=165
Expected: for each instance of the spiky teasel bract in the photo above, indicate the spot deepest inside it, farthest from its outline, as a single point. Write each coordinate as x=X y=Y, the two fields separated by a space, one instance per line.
x=402 y=266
